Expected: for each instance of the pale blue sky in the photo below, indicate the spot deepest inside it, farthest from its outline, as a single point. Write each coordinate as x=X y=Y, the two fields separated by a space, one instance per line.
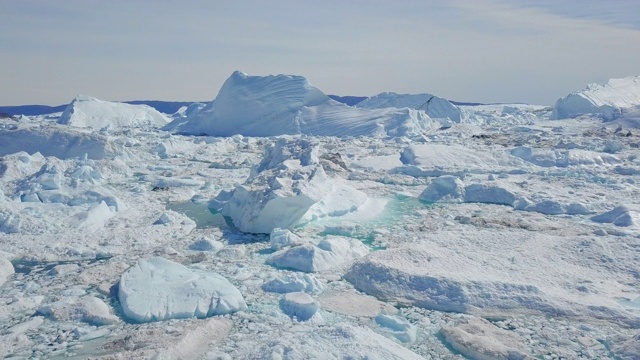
x=469 y=50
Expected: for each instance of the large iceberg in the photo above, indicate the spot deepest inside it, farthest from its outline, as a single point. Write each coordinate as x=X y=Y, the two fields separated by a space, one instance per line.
x=86 y=111
x=606 y=100
x=287 y=105
x=435 y=107
x=157 y=289
x=288 y=187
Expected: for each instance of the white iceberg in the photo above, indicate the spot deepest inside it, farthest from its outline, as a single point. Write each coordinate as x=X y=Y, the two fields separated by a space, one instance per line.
x=89 y=112
x=157 y=289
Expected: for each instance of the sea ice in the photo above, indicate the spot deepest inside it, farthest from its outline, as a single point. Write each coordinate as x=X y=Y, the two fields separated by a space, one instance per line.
x=478 y=339
x=299 y=305
x=6 y=270
x=287 y=187
x=157 y=289
x=329 y=253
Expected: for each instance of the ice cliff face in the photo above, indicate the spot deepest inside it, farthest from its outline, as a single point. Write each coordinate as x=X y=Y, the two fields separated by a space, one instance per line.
x=86 y=111
x=435 y=107
x=288 y=104
x=607 y=100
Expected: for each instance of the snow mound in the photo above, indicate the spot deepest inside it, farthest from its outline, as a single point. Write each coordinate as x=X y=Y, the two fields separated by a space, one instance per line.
x=157 y=289
x=440 y=279
x=477 y=338
x=435 y=107
x=606 y=100
x=329 y=253
x=288 y=187
x=288 y=104
x=89 y=112
x=299 y=305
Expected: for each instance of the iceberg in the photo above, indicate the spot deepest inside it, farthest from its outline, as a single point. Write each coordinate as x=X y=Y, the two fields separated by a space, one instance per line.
x=435 y=107
x=606 y=100
x=289 y=104
x=157 y=289
x=89 y=112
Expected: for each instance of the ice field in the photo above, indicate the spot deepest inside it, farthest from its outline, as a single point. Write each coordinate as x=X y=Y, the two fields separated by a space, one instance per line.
x=277 y=223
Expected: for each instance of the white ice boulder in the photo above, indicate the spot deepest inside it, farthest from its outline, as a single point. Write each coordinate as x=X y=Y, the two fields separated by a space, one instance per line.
x=435 y=107
x=288 y=105
x=6 y=270
x=87 y=309
x=446 y=188
x=329 y=253
x=397 y=327
x=293 y=283
x=606 y=100
x=86 y=111
x=206 y=244
x=477 y=338
x=157 y=289
x=619 y=216
x=489 y=194
x=286 y=188
x=299 y=305
x=282 y=238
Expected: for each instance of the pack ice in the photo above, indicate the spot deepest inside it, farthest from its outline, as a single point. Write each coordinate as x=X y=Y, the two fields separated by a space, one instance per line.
x=276 y=223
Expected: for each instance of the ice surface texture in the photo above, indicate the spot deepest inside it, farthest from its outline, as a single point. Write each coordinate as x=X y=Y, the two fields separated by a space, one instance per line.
x=158 y=289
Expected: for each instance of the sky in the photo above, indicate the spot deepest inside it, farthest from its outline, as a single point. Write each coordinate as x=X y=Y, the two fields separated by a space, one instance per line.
x=532 y=51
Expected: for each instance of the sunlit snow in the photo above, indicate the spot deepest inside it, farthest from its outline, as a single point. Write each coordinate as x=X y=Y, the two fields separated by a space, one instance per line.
x=276 y=223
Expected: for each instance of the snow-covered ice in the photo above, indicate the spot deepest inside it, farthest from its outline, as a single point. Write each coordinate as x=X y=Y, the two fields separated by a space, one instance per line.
x=274 y=222
x=89 y=112
x=158 y=289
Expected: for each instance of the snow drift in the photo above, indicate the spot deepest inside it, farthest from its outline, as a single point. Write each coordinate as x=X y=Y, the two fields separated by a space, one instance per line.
x=606 y=100
x=86 y=111
x=288 y=104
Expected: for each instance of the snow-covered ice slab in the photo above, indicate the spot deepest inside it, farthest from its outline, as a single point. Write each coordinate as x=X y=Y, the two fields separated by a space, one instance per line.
x=87 y=111
x=157 y=289
x=288 y=105
x=329 y=253
x=441 y=280
x=299 y=305
x=87 y=309
x=288 y=187
x=427 y=160
x=478 y=339
x=605 y=100
x=57 y=141
x=342 y=341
